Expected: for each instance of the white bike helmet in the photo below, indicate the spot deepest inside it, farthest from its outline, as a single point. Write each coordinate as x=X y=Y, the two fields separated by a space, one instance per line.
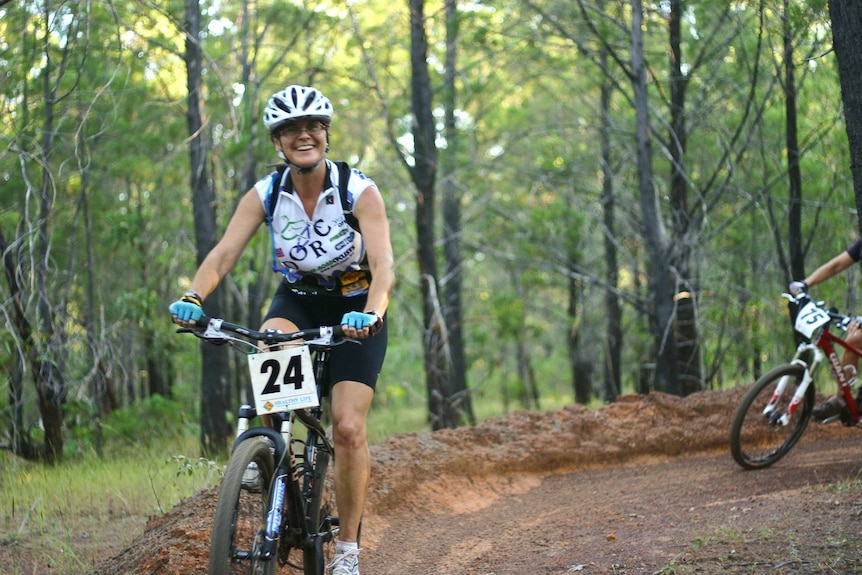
x=296 y=102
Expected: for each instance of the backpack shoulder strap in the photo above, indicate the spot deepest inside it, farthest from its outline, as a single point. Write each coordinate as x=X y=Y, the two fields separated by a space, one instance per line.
x=343 y=179
x=270 y=202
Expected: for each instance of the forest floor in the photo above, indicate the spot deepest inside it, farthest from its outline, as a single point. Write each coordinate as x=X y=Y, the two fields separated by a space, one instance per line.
x=642 y=486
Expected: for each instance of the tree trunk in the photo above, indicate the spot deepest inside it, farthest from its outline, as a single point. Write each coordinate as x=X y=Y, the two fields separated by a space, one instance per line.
x=581 y=366
x=846 y=18
x=21 y=444
x=661 y=293
x=48 y=370
x=614 y=336
x=528 y=393
x=101 y=392
x=215 y=430
x=688 y=341
x=794 y=212
x=257 y=289
x=437 y=372
x=453 y=265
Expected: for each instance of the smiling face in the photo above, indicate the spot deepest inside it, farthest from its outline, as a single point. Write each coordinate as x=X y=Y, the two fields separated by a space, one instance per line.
x=302 y=142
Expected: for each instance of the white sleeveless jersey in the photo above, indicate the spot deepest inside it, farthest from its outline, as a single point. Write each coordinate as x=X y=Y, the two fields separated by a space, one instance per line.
x=324 y=246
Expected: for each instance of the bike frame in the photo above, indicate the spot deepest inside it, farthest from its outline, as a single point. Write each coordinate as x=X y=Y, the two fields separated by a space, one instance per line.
x=293 y=482
x=824 y=347
x=298 y=480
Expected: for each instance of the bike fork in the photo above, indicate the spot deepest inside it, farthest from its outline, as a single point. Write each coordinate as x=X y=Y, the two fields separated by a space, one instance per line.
x=784 y=416
x=278 y=491
x=269 y=542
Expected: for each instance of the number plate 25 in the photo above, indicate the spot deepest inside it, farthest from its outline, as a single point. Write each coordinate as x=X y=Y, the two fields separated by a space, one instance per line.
x=282 y=380
x=810 y=318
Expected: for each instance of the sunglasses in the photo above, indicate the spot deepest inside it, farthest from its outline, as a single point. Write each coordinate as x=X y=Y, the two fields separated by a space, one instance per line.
x=313 y=128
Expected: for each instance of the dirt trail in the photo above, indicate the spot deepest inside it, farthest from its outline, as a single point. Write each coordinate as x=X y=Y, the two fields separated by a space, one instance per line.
x=629 y=488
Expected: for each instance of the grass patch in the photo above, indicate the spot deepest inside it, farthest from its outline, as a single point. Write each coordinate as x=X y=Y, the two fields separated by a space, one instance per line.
x=102 y=488
x=65 y=517
x=793 y=541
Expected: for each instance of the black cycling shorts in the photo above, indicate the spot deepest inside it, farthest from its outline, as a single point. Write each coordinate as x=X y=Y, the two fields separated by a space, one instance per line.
x=349 y=361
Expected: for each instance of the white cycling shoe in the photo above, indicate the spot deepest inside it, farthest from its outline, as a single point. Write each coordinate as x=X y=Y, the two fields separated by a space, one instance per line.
x=251 y=479
x=346 y=563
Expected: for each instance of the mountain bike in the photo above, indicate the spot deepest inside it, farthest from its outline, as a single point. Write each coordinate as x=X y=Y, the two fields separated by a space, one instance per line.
x=285 y=516
x=776 y=410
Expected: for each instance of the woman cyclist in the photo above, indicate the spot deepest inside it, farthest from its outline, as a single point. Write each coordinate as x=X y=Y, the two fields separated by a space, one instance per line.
x=333 y=274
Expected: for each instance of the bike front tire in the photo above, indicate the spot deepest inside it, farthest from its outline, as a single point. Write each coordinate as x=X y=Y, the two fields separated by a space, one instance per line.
x=241 y=513
x=758 y=436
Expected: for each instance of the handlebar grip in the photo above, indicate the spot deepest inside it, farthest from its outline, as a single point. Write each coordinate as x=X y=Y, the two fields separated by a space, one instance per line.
x=200 y=323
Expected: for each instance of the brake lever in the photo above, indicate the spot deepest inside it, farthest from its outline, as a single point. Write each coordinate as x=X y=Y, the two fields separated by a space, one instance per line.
x=213 y=333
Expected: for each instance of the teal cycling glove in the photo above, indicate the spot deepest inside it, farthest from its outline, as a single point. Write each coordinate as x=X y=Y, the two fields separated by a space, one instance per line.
x=361 y=320
x=188 y=307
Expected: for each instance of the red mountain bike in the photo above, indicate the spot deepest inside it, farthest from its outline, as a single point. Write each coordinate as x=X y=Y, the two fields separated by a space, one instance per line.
x=775 y=411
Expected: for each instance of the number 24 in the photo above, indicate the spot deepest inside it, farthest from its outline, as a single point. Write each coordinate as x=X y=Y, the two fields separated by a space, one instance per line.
x=292 y=374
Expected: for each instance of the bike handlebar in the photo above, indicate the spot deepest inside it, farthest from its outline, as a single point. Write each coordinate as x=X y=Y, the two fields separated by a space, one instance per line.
x=215 y=328
x=839 y=319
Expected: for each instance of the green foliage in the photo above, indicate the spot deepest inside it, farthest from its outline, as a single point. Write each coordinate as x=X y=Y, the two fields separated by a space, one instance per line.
x=149 y=422
x=187 y=466
x=527 y=166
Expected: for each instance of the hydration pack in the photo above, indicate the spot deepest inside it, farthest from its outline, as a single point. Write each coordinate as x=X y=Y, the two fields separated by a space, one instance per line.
x=343 y=178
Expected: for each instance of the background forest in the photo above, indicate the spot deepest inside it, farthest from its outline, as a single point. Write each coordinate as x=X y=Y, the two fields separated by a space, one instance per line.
x=587 y=198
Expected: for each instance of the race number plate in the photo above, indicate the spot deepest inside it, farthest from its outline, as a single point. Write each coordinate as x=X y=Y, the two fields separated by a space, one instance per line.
x=282 y=380
x=810 y=318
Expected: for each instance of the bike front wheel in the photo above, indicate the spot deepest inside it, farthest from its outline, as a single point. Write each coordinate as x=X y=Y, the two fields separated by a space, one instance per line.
x=763 y=429
x=241 y=513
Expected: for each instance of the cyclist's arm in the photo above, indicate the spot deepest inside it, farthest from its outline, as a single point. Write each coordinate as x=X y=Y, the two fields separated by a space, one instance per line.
x=223 y=257
x=371 y=213
x=833 y=267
